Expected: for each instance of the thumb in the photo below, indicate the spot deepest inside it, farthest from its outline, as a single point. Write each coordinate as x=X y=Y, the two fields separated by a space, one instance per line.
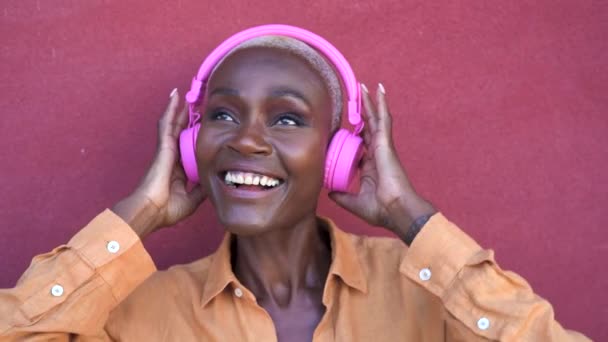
x=196 y=196
x=346 y=200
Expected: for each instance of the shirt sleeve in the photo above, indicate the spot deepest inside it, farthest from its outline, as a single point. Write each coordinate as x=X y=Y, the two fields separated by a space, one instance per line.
x=68 y=293
x=482 y=301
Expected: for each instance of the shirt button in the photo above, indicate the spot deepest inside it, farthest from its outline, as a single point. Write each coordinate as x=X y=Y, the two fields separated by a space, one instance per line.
x=238 y=292
x=113 y=247
x=483 y=323
x=57 y=290
x=425 y=274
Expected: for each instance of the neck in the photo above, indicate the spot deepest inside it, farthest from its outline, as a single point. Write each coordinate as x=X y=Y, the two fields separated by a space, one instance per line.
x=284 y=263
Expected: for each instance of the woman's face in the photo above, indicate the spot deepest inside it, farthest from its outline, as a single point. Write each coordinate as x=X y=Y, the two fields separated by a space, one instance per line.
x=266 y=119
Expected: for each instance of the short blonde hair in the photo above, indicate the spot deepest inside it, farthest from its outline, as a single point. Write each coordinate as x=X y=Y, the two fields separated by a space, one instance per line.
x=307 y=53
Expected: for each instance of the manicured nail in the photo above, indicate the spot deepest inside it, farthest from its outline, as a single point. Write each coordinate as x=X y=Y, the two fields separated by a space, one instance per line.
x=381 y=88
x=173 y=92
x=364 y=88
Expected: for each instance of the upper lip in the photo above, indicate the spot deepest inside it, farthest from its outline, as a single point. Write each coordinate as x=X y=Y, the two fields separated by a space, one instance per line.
x=252 y=169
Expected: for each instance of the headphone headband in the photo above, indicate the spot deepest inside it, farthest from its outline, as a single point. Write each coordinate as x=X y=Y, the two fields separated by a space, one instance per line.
x=336 y=58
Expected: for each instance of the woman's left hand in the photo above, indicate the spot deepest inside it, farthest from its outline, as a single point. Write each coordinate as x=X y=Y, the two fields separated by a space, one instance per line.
x=386 y=197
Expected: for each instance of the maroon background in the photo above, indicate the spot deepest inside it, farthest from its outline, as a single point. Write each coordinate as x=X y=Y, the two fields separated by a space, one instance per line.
x=500 y=118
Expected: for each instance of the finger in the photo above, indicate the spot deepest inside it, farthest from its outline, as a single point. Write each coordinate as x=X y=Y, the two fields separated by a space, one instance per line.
x=365 y=161
x=166 y=149
x=178 y=173
x=170 y=124
x=181 y=122
x=191 y=200
x=369 y=115
x=197 y=195
x=167 y=163
x=367 y=139
x=384 y=116
x=182 y=118
x=170 y=114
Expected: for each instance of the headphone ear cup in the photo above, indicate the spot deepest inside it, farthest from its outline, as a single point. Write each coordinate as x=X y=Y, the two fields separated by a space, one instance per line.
x=187 y=148
x=343 y=156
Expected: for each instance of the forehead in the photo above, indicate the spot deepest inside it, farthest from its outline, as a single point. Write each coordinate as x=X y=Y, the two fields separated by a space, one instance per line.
x=259 y=66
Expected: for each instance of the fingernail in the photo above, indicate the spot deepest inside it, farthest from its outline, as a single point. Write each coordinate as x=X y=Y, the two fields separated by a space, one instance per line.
x=364 y=88
x=173 y=92
x=381 y=88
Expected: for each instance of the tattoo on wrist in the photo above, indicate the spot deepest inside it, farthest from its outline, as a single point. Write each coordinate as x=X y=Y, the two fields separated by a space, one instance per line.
x=416 y=227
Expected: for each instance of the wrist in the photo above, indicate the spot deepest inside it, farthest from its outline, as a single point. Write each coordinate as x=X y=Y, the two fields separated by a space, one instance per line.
x=415 y=228
x=405 y=215
x=140 y=213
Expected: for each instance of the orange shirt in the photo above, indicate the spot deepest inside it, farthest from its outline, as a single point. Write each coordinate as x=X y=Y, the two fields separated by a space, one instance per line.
x=103 y=286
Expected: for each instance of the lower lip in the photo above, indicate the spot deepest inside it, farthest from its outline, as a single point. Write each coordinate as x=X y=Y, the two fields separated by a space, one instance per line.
x=249 y=193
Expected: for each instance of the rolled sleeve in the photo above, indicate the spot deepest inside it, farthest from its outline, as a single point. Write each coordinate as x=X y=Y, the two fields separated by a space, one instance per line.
x=109 y=245
x=482 y=301
x=74 y=287
x=439 y=252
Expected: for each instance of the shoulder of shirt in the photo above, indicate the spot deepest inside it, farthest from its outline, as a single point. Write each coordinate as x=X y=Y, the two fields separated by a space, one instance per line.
x=174 y=280
x=196 y=271
x=376 y=243
x=168 y=288
x=367 y=246
x=373 y=251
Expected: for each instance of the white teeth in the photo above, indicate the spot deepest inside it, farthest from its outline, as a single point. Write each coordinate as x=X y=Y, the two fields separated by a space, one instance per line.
x=248 y=178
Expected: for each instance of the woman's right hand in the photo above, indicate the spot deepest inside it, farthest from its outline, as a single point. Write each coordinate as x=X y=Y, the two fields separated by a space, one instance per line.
x=161 y=199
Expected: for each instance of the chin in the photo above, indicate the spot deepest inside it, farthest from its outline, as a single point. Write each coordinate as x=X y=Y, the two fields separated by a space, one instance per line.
x=252 y=212
x=245 y=228
x=245 y=222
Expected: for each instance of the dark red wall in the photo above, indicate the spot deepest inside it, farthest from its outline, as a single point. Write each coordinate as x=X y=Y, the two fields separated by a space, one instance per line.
x=500 y=117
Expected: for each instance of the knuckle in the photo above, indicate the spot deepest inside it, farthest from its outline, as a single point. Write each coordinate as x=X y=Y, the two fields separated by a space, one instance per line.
x=163 y=121
x=388 y=115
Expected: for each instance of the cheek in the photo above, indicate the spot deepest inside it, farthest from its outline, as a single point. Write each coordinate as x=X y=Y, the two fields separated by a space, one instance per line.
x=304 y=159
x=204 y=146
x=206 y=150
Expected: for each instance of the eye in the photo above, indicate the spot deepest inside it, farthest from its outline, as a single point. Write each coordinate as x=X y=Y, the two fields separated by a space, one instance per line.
x=222 y=115
x=288 y=120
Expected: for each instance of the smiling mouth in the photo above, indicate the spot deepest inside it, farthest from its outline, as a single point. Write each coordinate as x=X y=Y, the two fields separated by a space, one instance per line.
x=250 y=180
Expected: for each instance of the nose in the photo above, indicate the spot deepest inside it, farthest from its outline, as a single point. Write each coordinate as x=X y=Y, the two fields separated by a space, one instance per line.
x=250 y=139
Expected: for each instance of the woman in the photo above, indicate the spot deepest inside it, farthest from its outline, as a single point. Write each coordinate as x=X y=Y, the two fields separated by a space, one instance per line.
x=270 y=109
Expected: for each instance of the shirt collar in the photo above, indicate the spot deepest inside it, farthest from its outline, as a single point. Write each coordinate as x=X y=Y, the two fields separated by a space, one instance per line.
x=345 y=263
x=220 y=271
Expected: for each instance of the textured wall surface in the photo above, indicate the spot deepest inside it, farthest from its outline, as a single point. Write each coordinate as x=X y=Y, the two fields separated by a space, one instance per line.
x=500 y=115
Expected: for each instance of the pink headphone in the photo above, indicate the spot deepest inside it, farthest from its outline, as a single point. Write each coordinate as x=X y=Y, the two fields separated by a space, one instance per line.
x=345 y=149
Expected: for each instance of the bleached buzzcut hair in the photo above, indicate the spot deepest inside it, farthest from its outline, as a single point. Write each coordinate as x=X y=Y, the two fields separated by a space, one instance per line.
x=308 y=54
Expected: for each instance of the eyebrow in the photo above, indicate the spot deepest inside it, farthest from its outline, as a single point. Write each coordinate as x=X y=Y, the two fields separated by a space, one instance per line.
x=282 y=92
x=290 y=93
x=224 y=91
